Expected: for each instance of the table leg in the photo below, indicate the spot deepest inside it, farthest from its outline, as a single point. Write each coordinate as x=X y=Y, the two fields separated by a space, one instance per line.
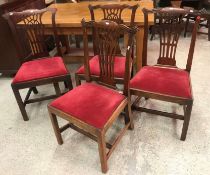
x=139 y=48
x=65 y=42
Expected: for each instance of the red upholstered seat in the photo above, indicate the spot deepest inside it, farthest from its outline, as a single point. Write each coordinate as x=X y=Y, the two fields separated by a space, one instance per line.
x=119 y=67
x=162 y=80
x=41 y=68
x=90 y=103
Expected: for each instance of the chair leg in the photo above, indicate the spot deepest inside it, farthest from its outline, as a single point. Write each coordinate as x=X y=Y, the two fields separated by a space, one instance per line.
x=65 y=84
x=20 y=103
x=128 y=116
x=187 y=115
x=102 y=151
x=56 y=128
x=78 y=81
x=57 y=89
x=68 y=83
x=35 y=91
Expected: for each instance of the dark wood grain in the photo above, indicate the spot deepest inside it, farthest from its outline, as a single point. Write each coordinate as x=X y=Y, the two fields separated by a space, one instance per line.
x=169 y=29
x=111 y=12
x=106 y=34
x=29 y=22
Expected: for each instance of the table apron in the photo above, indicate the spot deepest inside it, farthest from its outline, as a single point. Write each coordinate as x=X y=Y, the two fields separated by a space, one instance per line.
x=65 y=31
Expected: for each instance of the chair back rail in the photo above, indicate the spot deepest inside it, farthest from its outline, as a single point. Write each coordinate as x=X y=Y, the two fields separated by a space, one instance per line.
x=107 y=34
x=170 y=26
x=27 y=26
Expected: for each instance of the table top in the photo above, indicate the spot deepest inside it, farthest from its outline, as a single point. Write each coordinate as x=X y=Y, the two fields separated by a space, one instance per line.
x=71 y=14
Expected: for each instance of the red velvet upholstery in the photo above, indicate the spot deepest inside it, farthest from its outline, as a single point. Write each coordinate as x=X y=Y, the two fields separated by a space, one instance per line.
x=119 y=67
x=90 y=103
x=167 y=81
x=41 y=68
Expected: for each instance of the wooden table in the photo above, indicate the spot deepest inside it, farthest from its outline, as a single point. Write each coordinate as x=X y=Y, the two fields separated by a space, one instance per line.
x=69 y=16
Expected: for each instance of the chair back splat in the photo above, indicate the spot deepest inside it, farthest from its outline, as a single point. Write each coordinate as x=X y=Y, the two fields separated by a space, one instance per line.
x=114 y=12
x=27 y=27
x=106 y=34
x=169 y=28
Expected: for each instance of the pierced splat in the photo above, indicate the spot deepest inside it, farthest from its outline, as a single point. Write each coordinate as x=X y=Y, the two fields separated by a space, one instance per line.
x=35 y=32
x=107 y=39
x=107 y=34
x=27 y=27
x=113 y=12
x=169 y=28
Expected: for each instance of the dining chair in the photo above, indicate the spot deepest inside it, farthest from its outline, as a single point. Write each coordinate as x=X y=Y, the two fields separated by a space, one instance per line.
x=165 y=81
x=38 y=67
x=91 y=109
x=114 y=13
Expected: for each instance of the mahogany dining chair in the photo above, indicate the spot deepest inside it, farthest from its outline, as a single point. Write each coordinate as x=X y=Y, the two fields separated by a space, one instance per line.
x=91 y=108
x=165 y=81
x=38 y=67
x=111 y=12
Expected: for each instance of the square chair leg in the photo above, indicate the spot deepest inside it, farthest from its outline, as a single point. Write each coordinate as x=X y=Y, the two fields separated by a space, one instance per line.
x=20 y=103
x=128 y=116
x=56 y=128
x=102 y=151
x=187 y=114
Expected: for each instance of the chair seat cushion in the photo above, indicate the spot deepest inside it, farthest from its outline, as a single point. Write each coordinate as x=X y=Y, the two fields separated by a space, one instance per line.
x=41 y=68
x=163 y=80
x=119 y=67
x=90 y=103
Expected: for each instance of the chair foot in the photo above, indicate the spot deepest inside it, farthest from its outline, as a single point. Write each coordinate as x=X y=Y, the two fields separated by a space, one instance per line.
x=20 y=103
x=102 y=151
x=187 y=115
x=56 y=127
